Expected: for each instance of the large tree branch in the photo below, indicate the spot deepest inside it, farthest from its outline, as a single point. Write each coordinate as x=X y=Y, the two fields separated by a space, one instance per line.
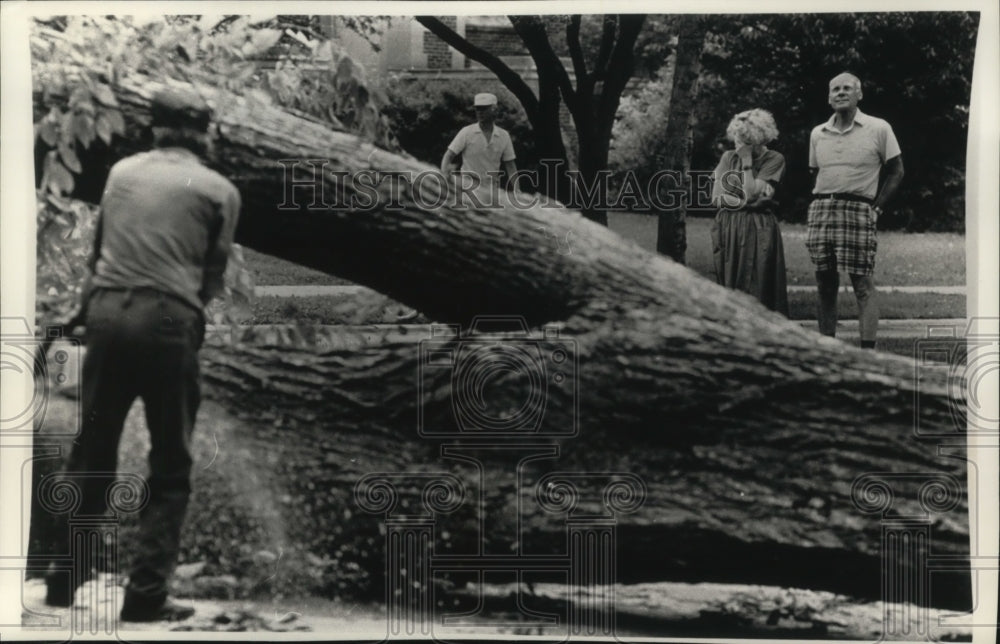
x=576 y=50
x=505 y=74
x=535 y=37
x=731 y=414
x=607 y=43
x=622 y=60
x=444 y=258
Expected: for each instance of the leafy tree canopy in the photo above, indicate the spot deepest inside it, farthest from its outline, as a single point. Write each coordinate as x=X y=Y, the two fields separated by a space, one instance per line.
x=279 y=60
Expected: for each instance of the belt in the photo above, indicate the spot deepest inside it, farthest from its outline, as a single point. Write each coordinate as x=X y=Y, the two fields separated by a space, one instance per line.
x=844 y=196
x=149 y=290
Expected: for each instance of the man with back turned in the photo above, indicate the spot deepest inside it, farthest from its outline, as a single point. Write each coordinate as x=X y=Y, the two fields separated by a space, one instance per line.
x=162 y=244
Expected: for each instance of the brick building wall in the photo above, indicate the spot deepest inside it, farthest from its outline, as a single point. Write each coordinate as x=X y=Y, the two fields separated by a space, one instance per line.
x=498 y=40
x=438 y=52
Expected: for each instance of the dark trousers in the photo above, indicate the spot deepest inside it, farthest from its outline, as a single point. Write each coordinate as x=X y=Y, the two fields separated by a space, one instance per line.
x=140 y=343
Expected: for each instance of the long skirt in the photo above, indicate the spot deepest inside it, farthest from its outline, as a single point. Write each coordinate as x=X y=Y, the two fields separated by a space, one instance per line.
x=749 y=256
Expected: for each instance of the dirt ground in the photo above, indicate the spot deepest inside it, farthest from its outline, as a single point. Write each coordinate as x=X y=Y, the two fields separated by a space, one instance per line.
x=664 y=609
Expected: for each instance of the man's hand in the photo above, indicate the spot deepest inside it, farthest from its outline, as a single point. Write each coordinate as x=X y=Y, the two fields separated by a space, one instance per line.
x=448 y=164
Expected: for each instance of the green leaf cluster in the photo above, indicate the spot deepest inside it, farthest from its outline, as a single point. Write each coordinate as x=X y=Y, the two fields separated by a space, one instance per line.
x=78 y=63
x=92 y=113
x=272 y=59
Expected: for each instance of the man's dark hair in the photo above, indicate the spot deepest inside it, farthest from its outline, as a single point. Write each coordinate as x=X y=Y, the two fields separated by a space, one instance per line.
x=191 y=139
x=180 y=120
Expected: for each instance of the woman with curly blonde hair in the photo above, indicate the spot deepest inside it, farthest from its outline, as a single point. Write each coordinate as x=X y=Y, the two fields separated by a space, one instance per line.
x=746 y=240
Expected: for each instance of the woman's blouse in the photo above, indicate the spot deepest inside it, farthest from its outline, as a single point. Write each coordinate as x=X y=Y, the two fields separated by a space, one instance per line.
x=769 y=167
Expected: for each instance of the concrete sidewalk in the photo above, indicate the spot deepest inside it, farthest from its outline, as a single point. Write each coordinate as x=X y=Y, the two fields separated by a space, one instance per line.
x=902 y=329
x=846 y=288
x=848 y=328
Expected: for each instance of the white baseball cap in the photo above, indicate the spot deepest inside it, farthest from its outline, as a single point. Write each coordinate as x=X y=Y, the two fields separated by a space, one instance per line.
x=485 y=99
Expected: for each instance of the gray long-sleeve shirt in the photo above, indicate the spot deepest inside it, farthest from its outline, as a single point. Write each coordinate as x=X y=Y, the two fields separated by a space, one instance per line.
x=167 y=223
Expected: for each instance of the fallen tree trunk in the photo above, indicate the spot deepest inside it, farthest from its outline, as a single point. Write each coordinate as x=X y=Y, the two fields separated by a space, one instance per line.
x=752 y=435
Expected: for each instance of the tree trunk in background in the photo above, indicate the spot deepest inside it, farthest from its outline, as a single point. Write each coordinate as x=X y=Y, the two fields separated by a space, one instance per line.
x=750 y=433
x=671 y=238
x=554 y=179
x=592 y=185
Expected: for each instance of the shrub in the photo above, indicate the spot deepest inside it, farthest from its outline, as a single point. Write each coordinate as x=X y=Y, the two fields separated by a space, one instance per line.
x=639 y=133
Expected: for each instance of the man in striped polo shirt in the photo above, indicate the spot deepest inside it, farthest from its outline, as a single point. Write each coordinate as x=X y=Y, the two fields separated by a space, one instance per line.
x=848 y=154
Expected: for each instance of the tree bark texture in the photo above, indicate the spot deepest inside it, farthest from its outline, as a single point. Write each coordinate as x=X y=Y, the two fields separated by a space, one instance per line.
x=752 y=435
x=671 y=239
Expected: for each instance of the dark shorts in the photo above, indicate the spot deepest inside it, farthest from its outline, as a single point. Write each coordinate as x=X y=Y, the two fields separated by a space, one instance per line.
x=841 y=236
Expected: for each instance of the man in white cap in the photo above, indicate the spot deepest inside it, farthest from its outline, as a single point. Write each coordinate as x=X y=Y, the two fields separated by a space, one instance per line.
x=484 y=146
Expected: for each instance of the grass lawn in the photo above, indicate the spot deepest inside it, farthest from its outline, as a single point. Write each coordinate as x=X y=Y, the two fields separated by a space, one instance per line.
x=904 y=259
x=909 y=348
x=892 y=306
x=268 y=270
x=363 y=308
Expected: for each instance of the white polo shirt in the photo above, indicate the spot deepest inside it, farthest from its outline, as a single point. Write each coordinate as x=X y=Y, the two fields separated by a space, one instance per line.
x=478 y=154
x=850 y=161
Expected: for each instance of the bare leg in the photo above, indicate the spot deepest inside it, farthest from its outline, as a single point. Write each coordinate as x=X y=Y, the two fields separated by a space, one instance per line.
x=864 y=291
x=827 y=283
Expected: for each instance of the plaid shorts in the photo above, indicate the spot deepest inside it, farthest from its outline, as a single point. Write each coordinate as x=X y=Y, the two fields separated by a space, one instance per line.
x=842 y=236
